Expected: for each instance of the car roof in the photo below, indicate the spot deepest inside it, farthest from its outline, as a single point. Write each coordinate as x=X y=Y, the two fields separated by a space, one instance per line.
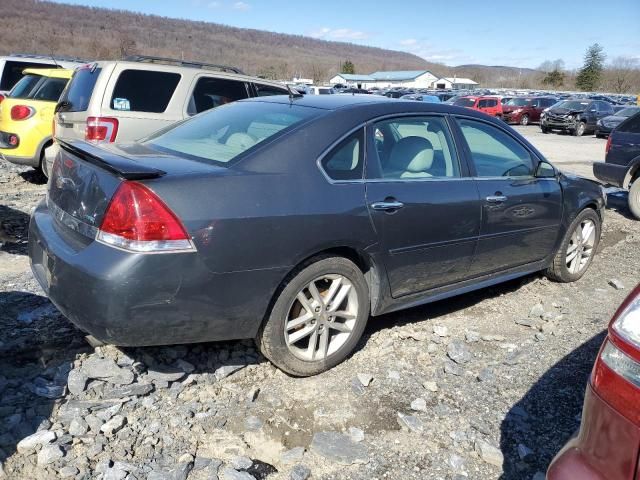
x=325 y=102
x=49 y=72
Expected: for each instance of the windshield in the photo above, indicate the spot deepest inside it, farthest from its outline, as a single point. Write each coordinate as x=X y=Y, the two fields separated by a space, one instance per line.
x=465 y=102
x=519 y=102
x=571 y=105
x=221 y=135
x=627 y=112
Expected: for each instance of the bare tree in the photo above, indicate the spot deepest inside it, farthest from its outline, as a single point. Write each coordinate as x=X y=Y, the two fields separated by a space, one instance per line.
x=621 y=74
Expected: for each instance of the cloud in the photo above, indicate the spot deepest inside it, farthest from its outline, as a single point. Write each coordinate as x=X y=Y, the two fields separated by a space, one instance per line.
x=408 y=42
x=213 y=5
x=348 y=34
x=424 y=49
x=241 y=6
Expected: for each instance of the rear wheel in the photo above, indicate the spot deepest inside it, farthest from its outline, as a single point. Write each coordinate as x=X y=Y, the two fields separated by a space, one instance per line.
x=634 y=198
x=318 y=317
x=524 y=120
x=577 y=249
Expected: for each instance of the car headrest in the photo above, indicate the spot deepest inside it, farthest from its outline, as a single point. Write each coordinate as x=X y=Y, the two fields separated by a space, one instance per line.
x=411 y=154
x=240 y=140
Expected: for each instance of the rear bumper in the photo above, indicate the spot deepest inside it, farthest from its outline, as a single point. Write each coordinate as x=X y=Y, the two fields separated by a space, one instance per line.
x=606 y=448
x=610 y=173
x=29 y=161
x=132 y=299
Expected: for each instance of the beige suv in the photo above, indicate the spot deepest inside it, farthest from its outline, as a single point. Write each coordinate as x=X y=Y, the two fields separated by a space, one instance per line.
x=121 y=101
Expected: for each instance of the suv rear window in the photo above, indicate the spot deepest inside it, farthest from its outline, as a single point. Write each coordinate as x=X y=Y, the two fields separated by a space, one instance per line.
x=212 y=92
x=144 y=91
x=12 y=72
x=78 y=93
x=222 y=134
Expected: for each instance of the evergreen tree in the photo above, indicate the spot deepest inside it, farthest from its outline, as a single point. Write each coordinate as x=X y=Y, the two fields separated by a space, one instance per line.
x=348 y=67
x=589 y=75
x=555 y=78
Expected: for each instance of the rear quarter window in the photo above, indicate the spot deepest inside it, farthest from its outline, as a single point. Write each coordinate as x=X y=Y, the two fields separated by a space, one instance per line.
x=144 y=91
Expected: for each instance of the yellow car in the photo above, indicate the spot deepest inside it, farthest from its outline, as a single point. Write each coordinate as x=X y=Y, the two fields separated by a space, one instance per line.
x=26 y=116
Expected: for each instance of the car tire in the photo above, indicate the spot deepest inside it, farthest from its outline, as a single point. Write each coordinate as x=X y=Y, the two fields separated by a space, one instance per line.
x=524 y=120
x=544 y=129
x=304 y=356
x=566 y=268
x=634 y=198
x=581 y=127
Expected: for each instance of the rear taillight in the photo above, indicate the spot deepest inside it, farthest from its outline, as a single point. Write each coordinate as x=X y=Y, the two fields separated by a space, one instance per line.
x=101 y=129
x=608 y=147
x=137 y=220
x=1 y=98
x=616 y=375
x=22 y=112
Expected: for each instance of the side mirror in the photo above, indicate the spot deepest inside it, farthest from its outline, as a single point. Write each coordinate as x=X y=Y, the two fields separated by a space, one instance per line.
x=545 y=170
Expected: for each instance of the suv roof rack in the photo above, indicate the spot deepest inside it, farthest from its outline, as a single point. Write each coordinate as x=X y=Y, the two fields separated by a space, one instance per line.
x=185 y=63
x=63 y=58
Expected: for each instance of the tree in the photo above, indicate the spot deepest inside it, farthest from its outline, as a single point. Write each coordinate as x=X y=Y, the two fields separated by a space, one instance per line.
x=588 y=77
x=620 y=74
x=554 y=78
x=348 y=67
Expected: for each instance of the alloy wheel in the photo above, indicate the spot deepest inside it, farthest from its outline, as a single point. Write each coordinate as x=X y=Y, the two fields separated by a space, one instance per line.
x=580 y=248
x=321 y=318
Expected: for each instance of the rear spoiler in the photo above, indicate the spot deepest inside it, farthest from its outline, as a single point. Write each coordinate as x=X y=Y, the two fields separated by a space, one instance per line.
x=119 y=165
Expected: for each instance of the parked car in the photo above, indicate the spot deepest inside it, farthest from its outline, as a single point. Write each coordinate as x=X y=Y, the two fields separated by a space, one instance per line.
x=489 y=105
x=421 y=98
x=119 y=101
x=576 y=116
x=258 y=219
x=26 y=115
x=321 y=90
x=505 y=100
x=608 y=443
x=525 y=110
x=621 y=167
x=605 y=125
x=355 y=90
x=12 y=67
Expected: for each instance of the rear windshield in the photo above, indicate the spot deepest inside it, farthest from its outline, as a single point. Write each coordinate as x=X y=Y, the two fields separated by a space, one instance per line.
x=627 y=112
x=36 y=87
x=222 y=134
x=77 y=95
x=12 y=72
x=144 y=91
x=465 y=102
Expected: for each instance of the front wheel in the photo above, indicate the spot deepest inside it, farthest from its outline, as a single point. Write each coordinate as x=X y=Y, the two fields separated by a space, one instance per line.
x=634 y=198
x=524 y=120
x=580 y=129
x=545 y=129
x=318 y=317
x=577 y=249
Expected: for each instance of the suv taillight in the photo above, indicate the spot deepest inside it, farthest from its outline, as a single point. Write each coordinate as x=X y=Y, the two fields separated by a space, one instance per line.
x=608 y=147
x=616 y=374
x=22 y=112
x=138 y=220
x=101 y=129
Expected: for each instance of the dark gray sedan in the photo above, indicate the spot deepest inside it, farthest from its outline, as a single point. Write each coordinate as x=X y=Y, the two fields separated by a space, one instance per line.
x=291 y=220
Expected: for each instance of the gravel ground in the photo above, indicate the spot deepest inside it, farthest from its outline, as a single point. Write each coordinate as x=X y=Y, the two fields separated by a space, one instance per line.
x=486 y=385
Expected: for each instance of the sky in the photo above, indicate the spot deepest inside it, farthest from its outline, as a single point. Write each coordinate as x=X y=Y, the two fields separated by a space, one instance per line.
x=490 y=32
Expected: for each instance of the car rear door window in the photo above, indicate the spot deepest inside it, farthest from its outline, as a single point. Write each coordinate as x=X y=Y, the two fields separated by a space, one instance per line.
x=144 y=91
x=414 y=148
x=495 y=153
x=345 y=161
x=211 y=92
x=50 y=89
x=483 y=103
x=77 y=95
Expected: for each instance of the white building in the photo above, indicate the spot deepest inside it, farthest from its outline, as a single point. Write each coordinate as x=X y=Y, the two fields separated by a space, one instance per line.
x=454 y=83
x=406 y=78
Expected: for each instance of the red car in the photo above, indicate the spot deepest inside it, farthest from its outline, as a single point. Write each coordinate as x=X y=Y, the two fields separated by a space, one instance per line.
x=489 y=105
x=608 y=444
x=525 y=110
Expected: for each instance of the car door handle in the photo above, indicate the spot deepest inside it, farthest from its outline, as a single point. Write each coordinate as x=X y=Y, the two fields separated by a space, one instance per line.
x=496 y=198
x=387 y=205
